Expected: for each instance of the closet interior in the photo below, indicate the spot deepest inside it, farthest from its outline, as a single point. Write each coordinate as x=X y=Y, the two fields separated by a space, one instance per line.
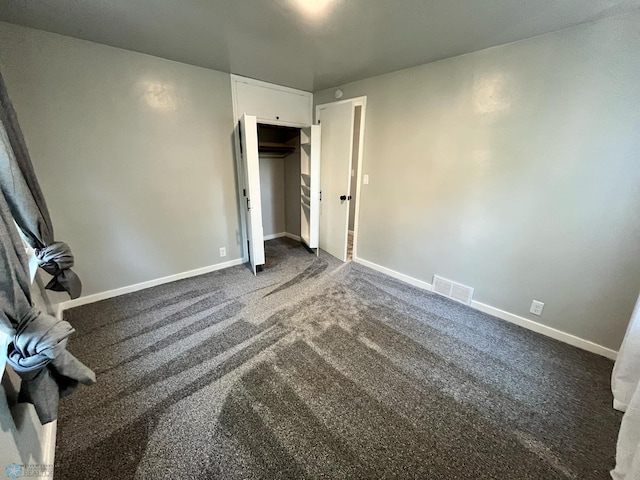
x=279 y=154
x=353 y=192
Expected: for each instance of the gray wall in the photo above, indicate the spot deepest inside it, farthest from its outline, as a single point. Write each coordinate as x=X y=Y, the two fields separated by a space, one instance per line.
x=272 y=194
x=280 y=182
x=280 y=194
x=134 y=154
x=515 y=170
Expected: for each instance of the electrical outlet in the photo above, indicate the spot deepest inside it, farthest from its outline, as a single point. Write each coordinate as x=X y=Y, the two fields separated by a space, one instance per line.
x=536 y=307
x=365 y=179
x=223 y=252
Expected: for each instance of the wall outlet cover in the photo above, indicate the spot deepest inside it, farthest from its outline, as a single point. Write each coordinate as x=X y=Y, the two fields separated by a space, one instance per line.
x=223 y=252
x=536 y=307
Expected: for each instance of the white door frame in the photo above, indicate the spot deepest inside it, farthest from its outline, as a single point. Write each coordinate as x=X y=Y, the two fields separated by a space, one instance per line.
x=241 y=178
x=251 y=161
x=356 y=102
x=234 y=79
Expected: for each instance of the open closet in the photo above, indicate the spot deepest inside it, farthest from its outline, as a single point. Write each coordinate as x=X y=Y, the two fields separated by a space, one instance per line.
x=282 y=168
x=284 y=188
x=279 y=159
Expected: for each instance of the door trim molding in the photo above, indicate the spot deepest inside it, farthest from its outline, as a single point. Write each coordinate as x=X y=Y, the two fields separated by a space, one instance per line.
x=356 y=102
x=234 y=79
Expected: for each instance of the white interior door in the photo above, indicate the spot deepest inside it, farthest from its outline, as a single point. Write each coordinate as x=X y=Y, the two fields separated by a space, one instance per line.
x=255 y=235
x=337 y=122
x=310 y=185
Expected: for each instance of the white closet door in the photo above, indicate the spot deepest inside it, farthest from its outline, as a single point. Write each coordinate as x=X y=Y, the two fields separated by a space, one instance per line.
x=249 y=139
x=310 y=185
x=337 y=121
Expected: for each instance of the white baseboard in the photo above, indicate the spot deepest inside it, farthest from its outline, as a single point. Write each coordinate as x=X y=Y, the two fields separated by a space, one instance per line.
x=504 y=315
x=274 y=235
x=280 y=235
x=392 y=273
x=96 y=297
x=546 y=330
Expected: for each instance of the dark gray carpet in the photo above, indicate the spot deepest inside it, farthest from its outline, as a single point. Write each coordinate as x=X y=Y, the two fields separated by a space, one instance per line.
x=317 y=369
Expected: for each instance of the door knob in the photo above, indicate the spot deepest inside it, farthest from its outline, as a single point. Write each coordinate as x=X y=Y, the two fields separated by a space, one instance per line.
x=343 y=197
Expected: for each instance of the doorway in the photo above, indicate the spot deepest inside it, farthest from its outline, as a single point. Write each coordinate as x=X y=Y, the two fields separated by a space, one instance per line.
x=330 y=175
x=342 y=126
x=269 y=141
x=353 y=189
x=279 y=159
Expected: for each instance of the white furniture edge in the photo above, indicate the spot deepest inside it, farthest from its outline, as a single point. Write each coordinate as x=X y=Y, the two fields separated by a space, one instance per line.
x=96 y=297
x=4 y=341
x=49 y=444
x=48 y=439
x=504 y=315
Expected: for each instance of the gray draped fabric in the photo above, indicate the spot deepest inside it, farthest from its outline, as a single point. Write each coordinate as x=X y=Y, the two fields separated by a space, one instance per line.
x=37 y=347
x=14 y=285
x=22 y=192
x=37 y=350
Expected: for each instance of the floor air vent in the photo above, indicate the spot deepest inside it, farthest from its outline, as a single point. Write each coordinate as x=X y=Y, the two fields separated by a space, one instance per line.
x=455 y=291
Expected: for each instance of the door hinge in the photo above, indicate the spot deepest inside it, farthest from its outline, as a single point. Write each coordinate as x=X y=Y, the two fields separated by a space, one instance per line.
x=320 y=195
x=244 y=192
x=248 y=204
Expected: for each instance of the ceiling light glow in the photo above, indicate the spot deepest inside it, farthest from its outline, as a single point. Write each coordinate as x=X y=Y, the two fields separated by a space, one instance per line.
x=314 y=8
x=492 y=93
x=160 y=95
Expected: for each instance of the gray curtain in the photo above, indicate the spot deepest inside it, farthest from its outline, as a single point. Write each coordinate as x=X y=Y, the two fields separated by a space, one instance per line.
x=37 y=346
x=22 y=192
x=37 y=349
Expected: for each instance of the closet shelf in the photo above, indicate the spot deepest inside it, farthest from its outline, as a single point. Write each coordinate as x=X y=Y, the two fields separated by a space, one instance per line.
x=273 y=149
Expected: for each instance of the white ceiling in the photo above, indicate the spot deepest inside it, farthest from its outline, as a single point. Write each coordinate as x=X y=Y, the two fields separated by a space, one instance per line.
x=273 y=40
